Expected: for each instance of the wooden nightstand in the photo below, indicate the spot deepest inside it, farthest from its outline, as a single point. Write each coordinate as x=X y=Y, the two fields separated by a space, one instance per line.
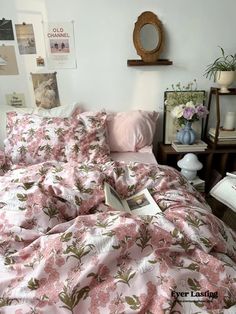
x=220 y=158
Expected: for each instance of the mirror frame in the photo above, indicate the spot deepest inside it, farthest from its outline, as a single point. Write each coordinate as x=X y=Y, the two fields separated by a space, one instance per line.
x=148 y=17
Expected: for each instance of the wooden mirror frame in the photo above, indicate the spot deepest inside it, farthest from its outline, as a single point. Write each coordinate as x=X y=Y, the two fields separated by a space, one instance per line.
x=148 y=17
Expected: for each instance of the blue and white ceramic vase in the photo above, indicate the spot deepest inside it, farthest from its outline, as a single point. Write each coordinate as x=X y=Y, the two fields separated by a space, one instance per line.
x=186 y=135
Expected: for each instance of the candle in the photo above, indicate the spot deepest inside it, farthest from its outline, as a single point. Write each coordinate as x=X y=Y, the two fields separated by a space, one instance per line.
x=229 y=122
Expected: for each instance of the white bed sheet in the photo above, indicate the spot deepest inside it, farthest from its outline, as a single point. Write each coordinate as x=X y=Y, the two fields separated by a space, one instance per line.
x=145 y=155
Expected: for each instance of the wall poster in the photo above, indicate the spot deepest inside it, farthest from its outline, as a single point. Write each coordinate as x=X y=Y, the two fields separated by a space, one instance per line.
x=15 y=100
x=6 y=30
x=8 y=64
x=45 y=90
x=60 y=45
x=25 y=38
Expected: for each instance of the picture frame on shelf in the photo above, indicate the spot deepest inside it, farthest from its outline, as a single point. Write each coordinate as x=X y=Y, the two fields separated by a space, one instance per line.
x=170 y=126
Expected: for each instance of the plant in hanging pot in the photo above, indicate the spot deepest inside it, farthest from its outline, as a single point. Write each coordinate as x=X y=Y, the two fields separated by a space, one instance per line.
x=222 y=70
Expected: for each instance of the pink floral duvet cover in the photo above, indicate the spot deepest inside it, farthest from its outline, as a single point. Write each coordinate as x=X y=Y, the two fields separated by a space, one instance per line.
x=62 y=250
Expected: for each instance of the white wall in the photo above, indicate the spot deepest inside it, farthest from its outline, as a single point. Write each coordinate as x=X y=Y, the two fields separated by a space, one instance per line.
x=103 y=38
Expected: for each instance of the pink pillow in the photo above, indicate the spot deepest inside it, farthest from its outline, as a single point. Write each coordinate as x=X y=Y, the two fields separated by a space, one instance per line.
x=88 y=142
x=130 y=131
x=33 y=139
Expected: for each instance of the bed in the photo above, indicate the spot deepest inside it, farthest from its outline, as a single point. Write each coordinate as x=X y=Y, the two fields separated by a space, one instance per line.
x=62 y=250
x=144 y=155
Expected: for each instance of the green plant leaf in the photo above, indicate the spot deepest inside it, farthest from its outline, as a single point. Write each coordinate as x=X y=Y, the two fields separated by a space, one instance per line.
x=194 y=284
x=66 y=237
x=133 y=302
x=21 y=197
x=72 y=298
x=28 y=185
x=33 y=284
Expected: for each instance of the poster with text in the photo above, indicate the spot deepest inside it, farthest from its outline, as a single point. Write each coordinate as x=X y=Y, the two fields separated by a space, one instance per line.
x=8 y=63
x=45 y=90
x=60 y=46
x=25 y=39
x=6 y=30
x=15 y=100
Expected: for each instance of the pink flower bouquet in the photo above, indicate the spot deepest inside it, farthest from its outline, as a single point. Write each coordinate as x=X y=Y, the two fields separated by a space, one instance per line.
x=189 y=112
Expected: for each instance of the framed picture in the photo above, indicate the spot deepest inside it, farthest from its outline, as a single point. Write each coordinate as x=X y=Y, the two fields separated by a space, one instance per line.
x=170 y=124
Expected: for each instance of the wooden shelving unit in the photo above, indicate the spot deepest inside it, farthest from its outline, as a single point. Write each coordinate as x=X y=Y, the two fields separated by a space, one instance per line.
x=140 y=62
x=217 y=94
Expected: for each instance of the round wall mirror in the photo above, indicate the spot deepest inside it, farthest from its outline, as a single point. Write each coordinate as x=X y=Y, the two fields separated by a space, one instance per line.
x=148 y=36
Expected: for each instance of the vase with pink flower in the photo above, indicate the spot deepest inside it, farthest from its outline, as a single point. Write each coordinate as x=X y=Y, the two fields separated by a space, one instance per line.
x=185 y=115
x=186 y=135
x=185 y=105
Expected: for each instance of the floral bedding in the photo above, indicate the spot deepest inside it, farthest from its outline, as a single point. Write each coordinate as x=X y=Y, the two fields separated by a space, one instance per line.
x=32 y=139
x=62 y=250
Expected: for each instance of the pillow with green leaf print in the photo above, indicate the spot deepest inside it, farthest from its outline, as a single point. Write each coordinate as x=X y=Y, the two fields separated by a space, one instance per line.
x=89 y=142
x=33 y=139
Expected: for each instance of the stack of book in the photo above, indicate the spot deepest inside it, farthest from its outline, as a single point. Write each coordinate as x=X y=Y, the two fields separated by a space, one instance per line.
x=199 y=184
x=225 y=137
x=198 y=146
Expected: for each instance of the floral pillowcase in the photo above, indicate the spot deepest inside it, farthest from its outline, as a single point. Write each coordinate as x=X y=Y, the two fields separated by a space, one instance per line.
x=33 y=139
x=89 y=143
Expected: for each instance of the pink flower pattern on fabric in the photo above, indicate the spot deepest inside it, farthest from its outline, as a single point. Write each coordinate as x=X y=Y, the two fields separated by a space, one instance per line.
x=62 y=250
x=32 y=139
x=89 y=143
x=2 y=162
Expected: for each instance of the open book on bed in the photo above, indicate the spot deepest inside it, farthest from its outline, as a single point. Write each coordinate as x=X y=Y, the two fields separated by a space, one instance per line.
x=225 y=190
x=141 y=203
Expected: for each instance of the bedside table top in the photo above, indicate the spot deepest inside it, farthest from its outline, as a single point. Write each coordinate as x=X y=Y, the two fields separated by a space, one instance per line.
x=168 y=149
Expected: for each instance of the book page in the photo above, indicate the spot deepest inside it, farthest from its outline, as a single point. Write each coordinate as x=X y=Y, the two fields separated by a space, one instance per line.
x=225 y=192
x=142 y=203
x=113 y=199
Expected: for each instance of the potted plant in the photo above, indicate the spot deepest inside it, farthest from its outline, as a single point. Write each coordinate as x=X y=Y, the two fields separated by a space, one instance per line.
x=222 y=70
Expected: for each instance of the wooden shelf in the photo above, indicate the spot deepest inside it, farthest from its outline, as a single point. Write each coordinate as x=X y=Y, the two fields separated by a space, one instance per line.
x=217 y=95
x=220 y=145
x=216 y=91
x=168 y=149
x=142 y=63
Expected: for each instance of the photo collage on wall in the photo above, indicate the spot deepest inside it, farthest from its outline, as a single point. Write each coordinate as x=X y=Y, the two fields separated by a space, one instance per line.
x=60 y=54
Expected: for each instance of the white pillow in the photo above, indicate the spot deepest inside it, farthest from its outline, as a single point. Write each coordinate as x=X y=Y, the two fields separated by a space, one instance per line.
x=61 y=111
